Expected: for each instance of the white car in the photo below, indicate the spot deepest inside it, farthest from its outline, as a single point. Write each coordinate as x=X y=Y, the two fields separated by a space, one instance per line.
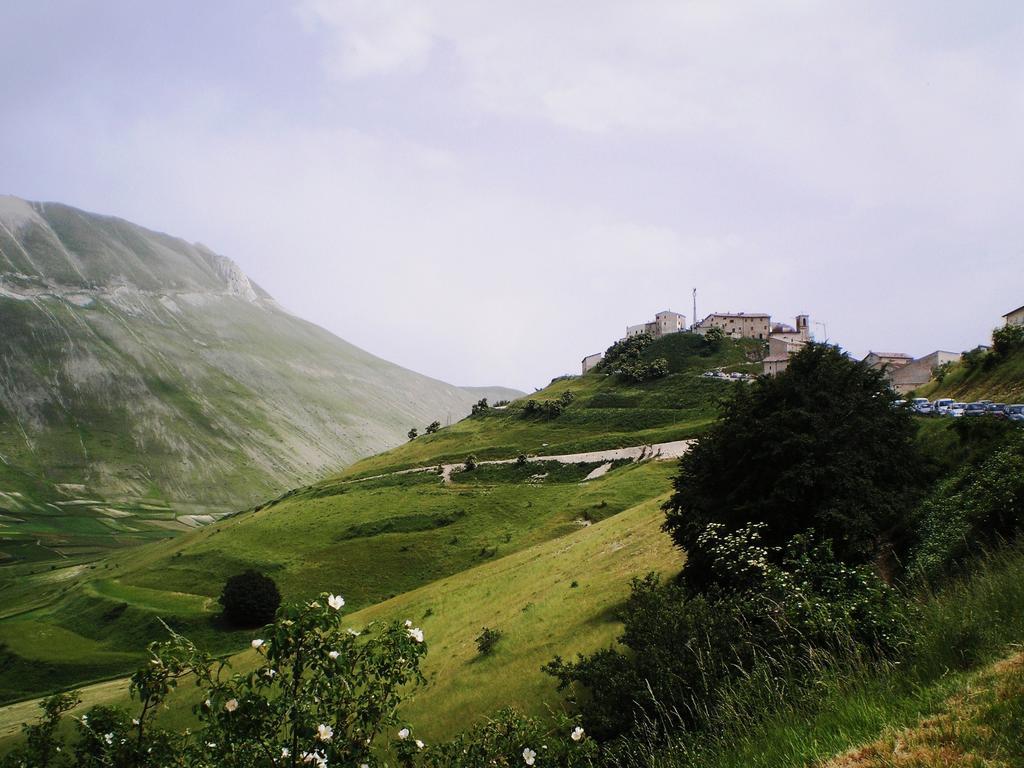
x=955 y=410
x=942 y=405
x=921 y=405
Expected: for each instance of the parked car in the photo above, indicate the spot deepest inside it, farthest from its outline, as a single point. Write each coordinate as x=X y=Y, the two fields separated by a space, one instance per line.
x=1015 y=412
x=975 y=409
x=998 y=410
x=956 y=410
x=942 y=405
x=922 y=405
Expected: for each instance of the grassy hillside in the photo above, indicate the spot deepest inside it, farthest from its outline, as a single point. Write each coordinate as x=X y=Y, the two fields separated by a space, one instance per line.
x=370 y=541
x=1001 y=381
x=607 y=412
x=553 y=597
x=384 y=538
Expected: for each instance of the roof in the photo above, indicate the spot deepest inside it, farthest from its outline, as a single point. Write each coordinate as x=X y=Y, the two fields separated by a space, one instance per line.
x=737 y=314
x=1014 y=311
x=901 y=355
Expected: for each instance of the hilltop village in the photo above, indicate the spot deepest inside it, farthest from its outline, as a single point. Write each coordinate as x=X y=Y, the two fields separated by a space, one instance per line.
x=782 y=340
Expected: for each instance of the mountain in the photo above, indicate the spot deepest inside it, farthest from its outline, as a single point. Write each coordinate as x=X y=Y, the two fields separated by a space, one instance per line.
x=144 y=378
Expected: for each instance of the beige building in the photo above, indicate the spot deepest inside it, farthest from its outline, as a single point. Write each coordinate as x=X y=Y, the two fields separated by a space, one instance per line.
x=1016 y=317
x=780 y=349
x=591 y=360
x=664 y=323
x=739 y=325
x=919 y=372
x=800 y=332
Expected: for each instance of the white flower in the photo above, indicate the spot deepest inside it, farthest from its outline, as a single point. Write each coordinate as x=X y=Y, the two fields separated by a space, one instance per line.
x=333 y=655
x=231 y=705
x=364 y=765
x=211 y=744
x=135 y=721
x=419 y=744
x=403 y=734
x=270 y=673
x=529 y=756
x=324 y=732
x=335 y=601
x=577 y=733
x=109 y=738
x=256 y=643
x=416 y=634
x=207 y=704
x=285 y=752
x=408 y=623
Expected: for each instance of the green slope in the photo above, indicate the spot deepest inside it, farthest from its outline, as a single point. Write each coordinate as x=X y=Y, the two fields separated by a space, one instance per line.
x=989 y=379
x=377 y=538
x=606 y=412
x=529 y=596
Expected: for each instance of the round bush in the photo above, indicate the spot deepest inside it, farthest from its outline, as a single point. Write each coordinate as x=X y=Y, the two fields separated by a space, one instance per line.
x=250 y=599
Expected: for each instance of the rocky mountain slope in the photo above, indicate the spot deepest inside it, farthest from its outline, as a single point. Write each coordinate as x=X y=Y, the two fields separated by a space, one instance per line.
x=139 y=369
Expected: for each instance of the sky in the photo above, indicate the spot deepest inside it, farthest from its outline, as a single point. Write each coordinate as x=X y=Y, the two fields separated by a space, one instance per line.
x=485 y=192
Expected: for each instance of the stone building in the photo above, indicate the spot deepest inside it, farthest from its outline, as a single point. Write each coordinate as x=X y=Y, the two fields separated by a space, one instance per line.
x=664 y=323
x=591 y=360
x=786 y=340
x=738 y=325
x=919 y=372
x=887 y=359
x=1016 y=317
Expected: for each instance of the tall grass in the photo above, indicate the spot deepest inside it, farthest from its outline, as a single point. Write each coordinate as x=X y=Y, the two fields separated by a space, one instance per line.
x=784 y=713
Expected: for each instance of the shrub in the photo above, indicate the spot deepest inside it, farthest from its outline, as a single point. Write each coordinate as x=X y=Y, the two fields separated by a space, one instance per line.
x=487 y=639
x=976 y=507
x=686 y=648
x=548 y=409
x=624 y=351
x=432 y=427
x=640 y=371
x=1007 y=339
x=818 y=449
x=413 y=433
x=521 y=460
x=510 y=739
x=480 y=407
x=250 y=599
x=470 y=463
x=320 y=694
x=714 y=338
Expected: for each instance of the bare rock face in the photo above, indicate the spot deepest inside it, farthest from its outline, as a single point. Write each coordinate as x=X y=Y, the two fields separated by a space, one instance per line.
x=135 y=364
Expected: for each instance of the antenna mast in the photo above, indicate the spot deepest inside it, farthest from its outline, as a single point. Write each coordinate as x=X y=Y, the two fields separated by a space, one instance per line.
x=693 y=322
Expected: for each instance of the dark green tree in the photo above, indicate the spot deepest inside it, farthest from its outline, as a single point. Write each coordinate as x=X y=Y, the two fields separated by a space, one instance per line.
x=250 y=599
x=819 y=450
x=714 y=338
x=433 y=427
x=414 y=433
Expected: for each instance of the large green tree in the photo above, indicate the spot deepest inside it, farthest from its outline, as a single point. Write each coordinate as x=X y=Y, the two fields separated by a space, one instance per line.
x=820 y=449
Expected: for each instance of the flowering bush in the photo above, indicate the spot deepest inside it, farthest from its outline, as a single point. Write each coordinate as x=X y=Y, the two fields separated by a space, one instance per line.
x=320 y=694
x=509 y=739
